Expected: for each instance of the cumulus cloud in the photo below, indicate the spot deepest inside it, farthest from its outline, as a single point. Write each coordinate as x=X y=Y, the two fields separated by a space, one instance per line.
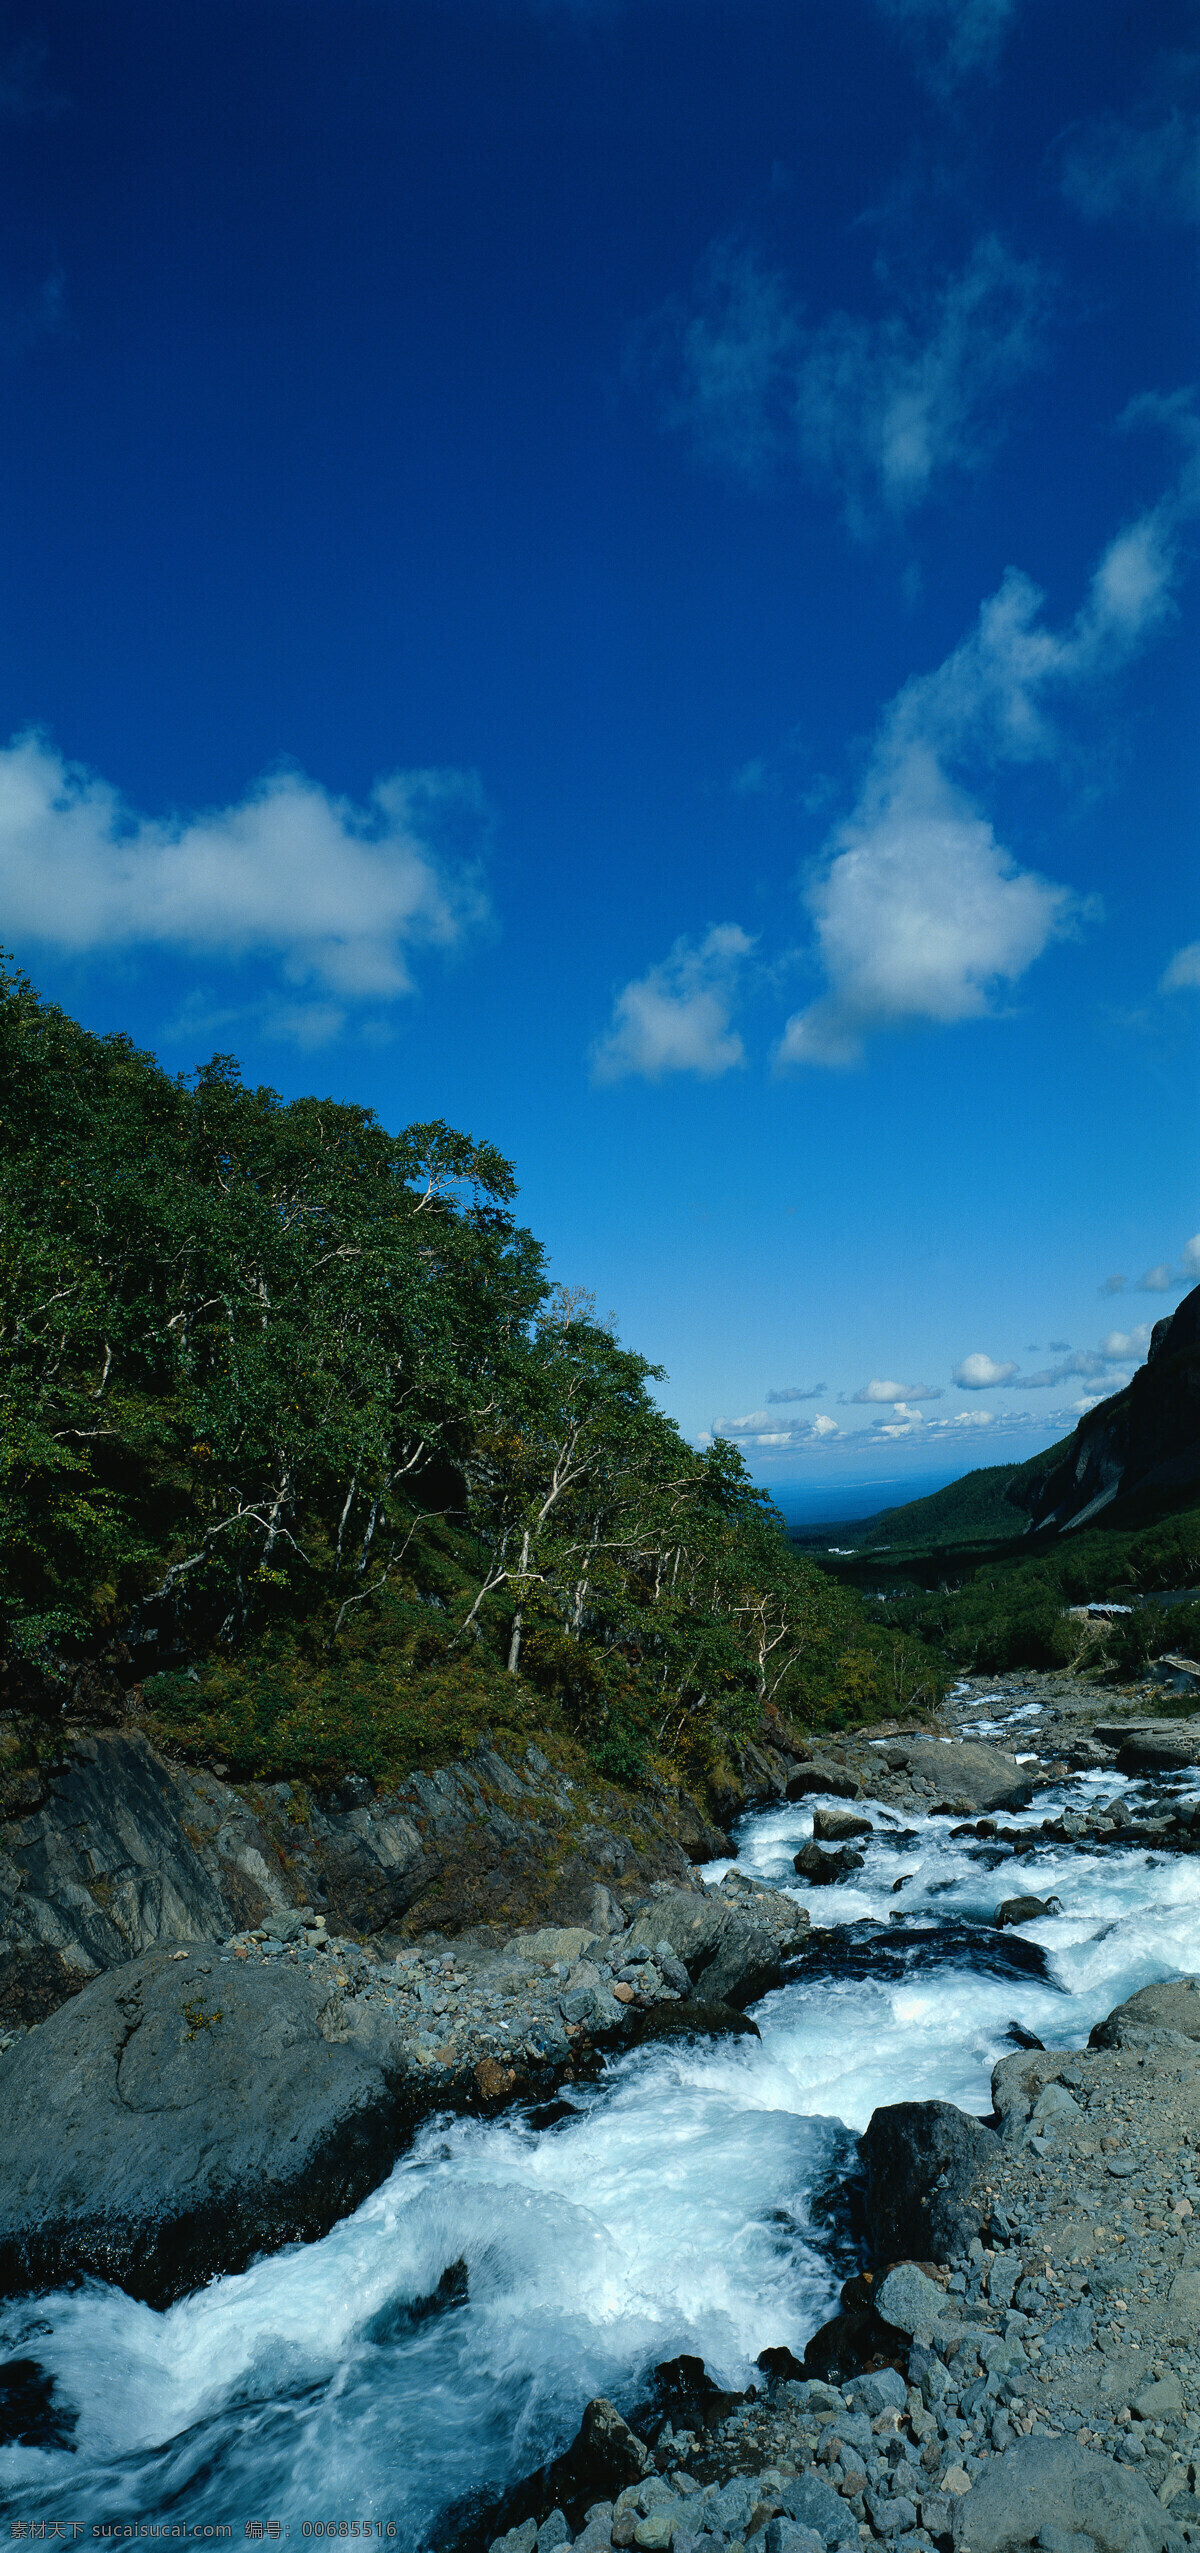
x=676 y=1018
x=884 y=1391
x=954 y=38
x=812 y=1392
x=337 y=897
x=1157 y=1280
x=1119 y=1346
x=1183 y=973
x=920 y=913
x=879 y=407
x=980 y=1373
x=1142 y=166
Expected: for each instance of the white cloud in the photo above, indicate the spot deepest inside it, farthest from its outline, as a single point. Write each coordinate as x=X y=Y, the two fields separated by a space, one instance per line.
x=760 y=1429
x=1183 y=973
x=794 y=1393
x=1119 y=1347
x=884 y=1391
x=676 y=1018
x=335 y=895
x=879 y=407
x=955 y=37
x=920 y=913
x=1163 y=1278
x=1144 y=166
x=980 y=1373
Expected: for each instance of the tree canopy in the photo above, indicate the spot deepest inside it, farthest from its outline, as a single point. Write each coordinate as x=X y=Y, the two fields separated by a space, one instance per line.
x=273 y=1379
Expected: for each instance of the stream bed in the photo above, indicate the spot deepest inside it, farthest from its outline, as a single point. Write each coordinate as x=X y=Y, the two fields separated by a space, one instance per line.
x=444 y=2339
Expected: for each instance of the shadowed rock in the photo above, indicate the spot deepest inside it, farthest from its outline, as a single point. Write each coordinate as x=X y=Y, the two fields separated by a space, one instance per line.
x=926 y=2166
x=822 y=1869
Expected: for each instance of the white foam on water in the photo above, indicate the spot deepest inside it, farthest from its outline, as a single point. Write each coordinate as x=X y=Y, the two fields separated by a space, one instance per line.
x=676 y=2207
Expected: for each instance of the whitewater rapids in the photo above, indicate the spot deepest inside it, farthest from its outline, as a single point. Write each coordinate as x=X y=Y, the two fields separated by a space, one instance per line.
x=444 y=2339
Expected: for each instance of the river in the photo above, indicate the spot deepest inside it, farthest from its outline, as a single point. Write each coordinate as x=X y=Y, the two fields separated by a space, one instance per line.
x=693 y=2199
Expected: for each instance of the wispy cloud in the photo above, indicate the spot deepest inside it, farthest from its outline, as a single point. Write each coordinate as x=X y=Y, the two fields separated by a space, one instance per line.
x=879 y=407
x=25 y=92
x=920 y=913
x=1183 y=973
x=1165 y=1276
x=676 y=1018
x=335 y=898
x=1143 y=166
x=954 y=38
x=812 y=1392
x=880 y=1390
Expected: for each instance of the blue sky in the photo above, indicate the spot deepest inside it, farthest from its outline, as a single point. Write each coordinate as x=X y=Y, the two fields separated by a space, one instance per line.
x=623 y=572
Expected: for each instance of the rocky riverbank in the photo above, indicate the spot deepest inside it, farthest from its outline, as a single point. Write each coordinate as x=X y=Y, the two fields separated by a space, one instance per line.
x=1033 y=2382
x=235 y=2087
x=199 y=2105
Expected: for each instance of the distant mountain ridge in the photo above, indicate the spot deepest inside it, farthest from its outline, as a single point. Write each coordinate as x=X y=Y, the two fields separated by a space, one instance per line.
x=984 y=1506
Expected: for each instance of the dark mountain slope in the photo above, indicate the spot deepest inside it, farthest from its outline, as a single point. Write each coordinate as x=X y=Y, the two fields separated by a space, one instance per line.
x=1144 y=1442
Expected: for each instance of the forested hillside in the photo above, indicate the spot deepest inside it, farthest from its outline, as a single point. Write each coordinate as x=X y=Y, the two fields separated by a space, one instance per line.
x=301 y=1447
x=976 y=1509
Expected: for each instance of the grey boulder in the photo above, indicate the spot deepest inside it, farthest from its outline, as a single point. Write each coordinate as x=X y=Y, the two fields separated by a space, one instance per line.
x=813 y=2503
x=1173 y=2010
x=1019 y=1910
x=782 y=2535
x=909 y=2301
x=732 y=1946
x=822 y=1869
x=839 y=1825
x=1044 y=2483
x=174 y=2119
x=966 y=1777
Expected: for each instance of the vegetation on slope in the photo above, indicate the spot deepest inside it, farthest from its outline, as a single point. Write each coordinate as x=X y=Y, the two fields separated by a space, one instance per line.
x=296 y=1435
x=988 y=1608
x=975 y=1509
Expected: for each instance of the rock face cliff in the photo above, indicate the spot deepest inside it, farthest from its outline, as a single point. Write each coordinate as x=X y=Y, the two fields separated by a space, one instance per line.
x=118 y=1849
x=1145 y=1439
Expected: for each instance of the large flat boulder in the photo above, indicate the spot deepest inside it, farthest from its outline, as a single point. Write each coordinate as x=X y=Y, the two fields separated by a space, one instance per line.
x=175 y=2118
x=968 y=1776
x=1049 y=2483
x=1152 y=1746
